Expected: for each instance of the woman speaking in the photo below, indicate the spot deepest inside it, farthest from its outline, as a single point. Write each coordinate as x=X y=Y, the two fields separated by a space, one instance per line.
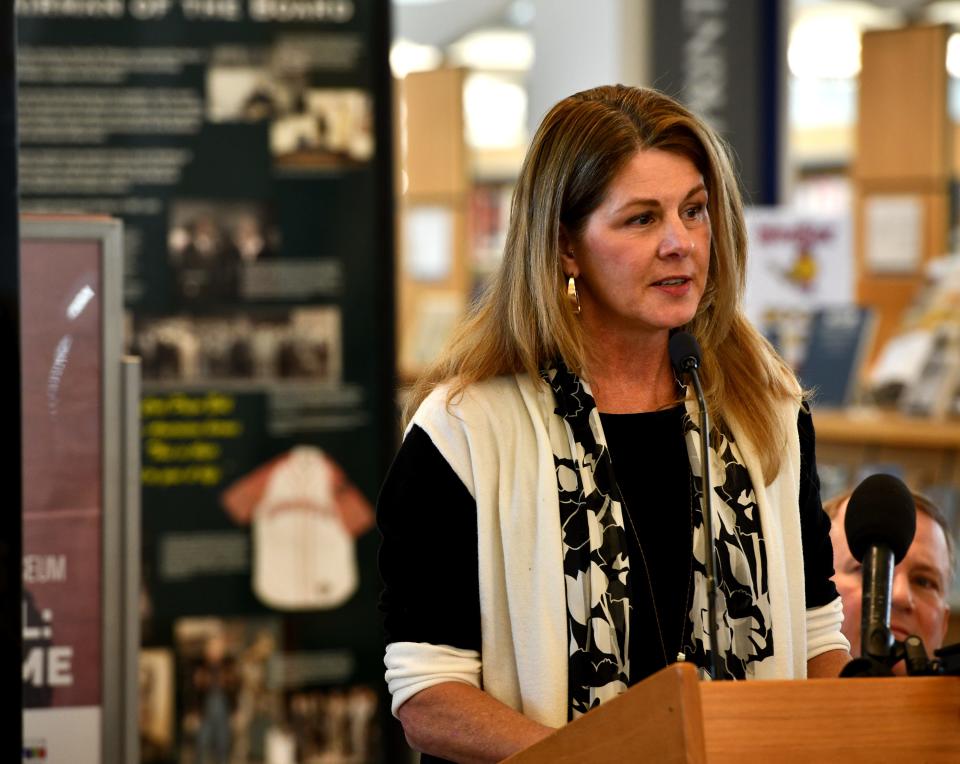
x=543 y=528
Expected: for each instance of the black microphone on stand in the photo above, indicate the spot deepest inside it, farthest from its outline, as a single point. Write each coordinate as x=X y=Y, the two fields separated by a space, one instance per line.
x=685 y=357
x=880 y=522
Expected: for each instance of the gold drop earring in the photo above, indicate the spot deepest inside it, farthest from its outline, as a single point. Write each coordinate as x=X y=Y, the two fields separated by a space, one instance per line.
x=572 y=295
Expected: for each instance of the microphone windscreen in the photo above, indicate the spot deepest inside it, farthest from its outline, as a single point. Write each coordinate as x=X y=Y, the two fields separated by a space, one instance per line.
x=682 y=348
x=880 y=511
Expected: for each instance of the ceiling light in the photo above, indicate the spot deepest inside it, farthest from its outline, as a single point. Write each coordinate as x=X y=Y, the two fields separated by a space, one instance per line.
x=825 y=38
x=494 y=50
x=942 y=12
x=953 y=55
x=496 y=112
x=824 y=47
x=407 y=57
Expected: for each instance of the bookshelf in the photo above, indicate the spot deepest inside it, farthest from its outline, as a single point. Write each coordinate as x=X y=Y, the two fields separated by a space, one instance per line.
x=433 y=272
x=904 y=153
x=855 y=442
x=452 y=216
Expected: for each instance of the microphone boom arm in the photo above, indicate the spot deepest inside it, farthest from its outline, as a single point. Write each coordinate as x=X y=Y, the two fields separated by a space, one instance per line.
x=709 y=549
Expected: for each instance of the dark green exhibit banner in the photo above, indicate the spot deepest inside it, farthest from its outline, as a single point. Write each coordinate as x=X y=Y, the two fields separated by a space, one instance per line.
x=245 y=145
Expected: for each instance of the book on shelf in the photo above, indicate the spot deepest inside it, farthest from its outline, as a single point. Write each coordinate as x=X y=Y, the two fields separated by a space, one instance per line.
x=918 y=370
x=832 y=354
x=933 y=392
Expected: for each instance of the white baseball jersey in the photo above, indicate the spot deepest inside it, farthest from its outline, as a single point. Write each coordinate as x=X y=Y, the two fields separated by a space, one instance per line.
x=304 y=553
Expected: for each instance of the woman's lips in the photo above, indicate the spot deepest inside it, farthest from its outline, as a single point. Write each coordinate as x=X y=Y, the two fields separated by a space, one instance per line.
x=678 y=286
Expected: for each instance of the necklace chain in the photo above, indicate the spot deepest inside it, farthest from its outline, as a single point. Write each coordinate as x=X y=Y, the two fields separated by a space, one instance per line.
x=646 y=570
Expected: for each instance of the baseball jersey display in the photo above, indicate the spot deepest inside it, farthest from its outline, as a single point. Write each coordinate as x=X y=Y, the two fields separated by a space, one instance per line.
x=306 y=516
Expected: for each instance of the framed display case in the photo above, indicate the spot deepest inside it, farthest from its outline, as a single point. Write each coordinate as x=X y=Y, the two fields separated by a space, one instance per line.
x=80 y=446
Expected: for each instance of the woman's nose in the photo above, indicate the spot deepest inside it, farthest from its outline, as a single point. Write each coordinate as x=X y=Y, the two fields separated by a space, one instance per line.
x=676 y=240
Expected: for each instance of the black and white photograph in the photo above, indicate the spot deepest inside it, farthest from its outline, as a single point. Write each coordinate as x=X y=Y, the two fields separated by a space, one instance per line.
x=332 y=127
x=209 y=243
x=228 y=706
x=303 y=344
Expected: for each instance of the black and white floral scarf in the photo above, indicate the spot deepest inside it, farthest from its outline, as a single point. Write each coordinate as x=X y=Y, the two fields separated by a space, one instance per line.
x=596 y=564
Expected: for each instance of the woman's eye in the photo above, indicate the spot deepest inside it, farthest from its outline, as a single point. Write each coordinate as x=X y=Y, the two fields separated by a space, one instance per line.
x=924 y=582
x=695 y=212
x=644 y=218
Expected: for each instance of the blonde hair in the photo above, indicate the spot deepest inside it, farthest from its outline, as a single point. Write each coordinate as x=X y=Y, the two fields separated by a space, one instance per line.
x=522 y=322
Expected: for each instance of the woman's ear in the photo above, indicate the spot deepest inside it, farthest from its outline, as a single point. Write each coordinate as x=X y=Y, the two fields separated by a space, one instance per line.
x=568 y=257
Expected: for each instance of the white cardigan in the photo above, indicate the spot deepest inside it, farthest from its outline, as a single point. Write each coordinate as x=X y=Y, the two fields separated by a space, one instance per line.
x=496 y=437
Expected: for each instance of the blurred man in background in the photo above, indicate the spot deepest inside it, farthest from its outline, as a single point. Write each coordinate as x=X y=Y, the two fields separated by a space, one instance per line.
x=921 y=582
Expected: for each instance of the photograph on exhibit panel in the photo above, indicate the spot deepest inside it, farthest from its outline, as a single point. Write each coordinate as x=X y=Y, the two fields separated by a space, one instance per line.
x=332 y=127
x=244 y=92
x=333 y=725
x=242 y=700
x=303 y=344
x=227 y=706
x=209 y=242
x=311 y=126
x=156 y=710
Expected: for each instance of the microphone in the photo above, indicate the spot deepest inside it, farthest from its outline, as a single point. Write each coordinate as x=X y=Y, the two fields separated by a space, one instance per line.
x=880 y=522
x=685 y=357
x=684 y=352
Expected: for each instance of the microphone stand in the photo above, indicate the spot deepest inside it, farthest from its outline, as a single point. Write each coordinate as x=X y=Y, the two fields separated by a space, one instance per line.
x=876 y=639
x=946 y=661
x=878 y=649
x=710 y=550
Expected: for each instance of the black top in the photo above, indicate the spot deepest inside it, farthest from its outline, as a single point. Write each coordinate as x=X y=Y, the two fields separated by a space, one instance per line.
x=428 y=555
x=653 y=473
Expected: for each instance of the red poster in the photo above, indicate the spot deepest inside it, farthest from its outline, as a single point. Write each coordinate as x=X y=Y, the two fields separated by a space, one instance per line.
x=62 y=473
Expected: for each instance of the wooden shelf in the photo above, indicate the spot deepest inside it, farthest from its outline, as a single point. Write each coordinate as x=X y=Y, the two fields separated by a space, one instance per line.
x=866 y=427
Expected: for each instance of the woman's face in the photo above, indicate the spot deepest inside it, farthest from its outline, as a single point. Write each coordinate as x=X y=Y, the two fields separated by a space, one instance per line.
x=642 y=259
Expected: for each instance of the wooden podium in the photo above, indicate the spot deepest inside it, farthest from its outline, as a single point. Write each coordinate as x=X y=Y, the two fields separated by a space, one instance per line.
x=673 y=717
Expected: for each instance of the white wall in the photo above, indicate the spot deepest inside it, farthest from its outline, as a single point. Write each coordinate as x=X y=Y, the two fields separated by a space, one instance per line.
x=579 y=44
